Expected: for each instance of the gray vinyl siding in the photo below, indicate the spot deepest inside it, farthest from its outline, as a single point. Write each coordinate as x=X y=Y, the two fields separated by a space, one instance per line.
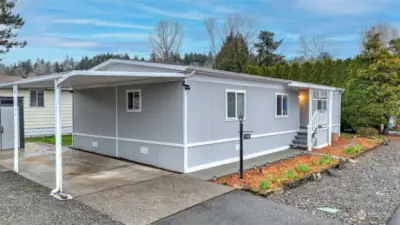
x=207 y=120
x=168 y=157
x=336 y=112
x=94 y=111
x=104 y=146
x=206 y=111
x=161 y=120
x=201 y=155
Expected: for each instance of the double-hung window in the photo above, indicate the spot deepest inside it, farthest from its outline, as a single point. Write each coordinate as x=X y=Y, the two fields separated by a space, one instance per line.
x=36 y=98
x=282 y=105
x=322 y=100
x=134 y=100
x=235 y=104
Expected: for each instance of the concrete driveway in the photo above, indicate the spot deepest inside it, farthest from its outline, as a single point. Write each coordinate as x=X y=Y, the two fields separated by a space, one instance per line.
x=128 y=192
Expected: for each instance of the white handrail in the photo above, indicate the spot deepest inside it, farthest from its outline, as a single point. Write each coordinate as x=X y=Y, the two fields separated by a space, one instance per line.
x=311 y=129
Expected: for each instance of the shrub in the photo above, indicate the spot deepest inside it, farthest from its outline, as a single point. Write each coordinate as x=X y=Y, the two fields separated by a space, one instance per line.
x=272 y=178
x=315 y=162
x=368 y=132
x=289 y=174
x=353 y=149
x=264 y=184
x=326 y=159
x=302 y=168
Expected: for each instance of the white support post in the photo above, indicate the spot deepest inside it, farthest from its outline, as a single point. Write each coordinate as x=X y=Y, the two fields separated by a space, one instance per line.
x=310 y=114
x=57 y=95
x=185 y=147
x=16 y=127
x=330 y=117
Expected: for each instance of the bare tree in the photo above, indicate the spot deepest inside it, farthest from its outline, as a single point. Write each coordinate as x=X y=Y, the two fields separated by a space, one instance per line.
x=209 y=23
x=167 y=39
x=311 y=48
x=387 y=33
x=234 y=24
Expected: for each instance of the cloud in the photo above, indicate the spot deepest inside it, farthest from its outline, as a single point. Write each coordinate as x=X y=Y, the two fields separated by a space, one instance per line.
x=121 y=35
x=101 y=23
x=342 y=7
x=191 y=15
x=341 y=38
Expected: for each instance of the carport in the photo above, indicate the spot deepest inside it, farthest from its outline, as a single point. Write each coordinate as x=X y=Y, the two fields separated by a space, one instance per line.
x=78 y=80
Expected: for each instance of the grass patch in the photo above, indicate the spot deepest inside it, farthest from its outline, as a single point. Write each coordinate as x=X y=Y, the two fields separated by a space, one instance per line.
x=66 y=139
x=353 y=149
x=264 y=185
x=326 y=159
x=302 y=168
x=315 y=162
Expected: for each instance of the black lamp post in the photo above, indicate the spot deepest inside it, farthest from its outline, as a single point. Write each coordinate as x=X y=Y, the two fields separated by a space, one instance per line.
x=241 y=143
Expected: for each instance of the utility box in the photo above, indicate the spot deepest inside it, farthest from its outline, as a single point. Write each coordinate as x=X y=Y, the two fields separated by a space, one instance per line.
x=7 y=122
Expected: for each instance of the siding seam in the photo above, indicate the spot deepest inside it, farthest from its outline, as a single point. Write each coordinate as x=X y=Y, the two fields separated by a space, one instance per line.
x=130 y=140
x=235 y=159
x=237 y=138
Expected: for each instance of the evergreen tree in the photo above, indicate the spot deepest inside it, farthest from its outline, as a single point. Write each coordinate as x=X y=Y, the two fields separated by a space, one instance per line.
x=234 y=54
x=10 y=23
x=306 y=71
x=265 y=47
x=294 y=71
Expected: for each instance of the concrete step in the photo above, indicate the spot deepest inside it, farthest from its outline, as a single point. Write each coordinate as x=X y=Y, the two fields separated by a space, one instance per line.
x=300 y=133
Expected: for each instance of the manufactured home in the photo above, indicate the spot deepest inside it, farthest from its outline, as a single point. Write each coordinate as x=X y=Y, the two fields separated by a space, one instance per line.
x=185 y=118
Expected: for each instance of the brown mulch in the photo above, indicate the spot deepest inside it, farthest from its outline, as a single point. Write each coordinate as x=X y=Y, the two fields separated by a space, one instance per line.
x=337 y=147
x=274 y=172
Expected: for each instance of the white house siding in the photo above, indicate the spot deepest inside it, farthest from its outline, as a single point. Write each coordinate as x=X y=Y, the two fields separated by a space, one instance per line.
x=40 y=120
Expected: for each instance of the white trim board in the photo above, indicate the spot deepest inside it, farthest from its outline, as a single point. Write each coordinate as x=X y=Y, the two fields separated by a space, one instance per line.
x=321 y=146
x=235 y=159
x=237 y=138
x=130 y=140
x=335 y=125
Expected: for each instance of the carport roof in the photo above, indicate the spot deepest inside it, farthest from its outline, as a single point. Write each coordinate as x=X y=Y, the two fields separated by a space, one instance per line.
x=84 y=78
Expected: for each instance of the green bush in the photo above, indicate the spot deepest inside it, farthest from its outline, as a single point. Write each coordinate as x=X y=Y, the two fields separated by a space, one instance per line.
x=368 y=132
x=289 y=174
x=326 y=159
x=353 y=149
x=264 y=184
x=315 y=162
x=302 y=168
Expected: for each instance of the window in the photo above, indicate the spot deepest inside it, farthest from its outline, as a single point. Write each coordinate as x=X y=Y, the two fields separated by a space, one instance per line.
x=134 y=100
x=235 y=104
x=282 y=105
x=322 y=100
x=36 y=98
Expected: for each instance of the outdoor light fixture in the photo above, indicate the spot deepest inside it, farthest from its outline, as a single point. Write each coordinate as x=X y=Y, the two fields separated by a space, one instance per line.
x=240 y=117
x=186 y=86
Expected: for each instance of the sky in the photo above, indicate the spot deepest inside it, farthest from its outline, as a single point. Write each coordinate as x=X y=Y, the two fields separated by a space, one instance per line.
x=56 y=28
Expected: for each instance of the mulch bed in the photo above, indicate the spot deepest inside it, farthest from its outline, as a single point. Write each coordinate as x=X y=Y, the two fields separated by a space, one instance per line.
x=337 y=147
x=274 y=173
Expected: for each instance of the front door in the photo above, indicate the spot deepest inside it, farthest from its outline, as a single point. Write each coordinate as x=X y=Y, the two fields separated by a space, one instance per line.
x=7 y=127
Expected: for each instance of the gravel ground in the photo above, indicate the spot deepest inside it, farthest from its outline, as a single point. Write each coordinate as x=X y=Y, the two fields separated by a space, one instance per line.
x=25 y=202
x=367 y=192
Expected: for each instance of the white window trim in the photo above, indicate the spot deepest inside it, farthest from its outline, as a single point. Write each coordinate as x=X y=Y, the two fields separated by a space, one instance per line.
x=37 y=101
x=276 y=101
x=228 y=119
x=127 y=99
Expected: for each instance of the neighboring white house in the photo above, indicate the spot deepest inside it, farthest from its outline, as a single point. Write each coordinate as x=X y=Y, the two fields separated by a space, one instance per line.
x=39 y=109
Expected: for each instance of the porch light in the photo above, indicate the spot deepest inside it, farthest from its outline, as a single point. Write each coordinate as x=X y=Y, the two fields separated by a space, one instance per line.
x=240 y=117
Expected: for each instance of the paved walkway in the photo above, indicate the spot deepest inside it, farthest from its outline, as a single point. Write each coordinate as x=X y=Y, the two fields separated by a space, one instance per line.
x=240 y=208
